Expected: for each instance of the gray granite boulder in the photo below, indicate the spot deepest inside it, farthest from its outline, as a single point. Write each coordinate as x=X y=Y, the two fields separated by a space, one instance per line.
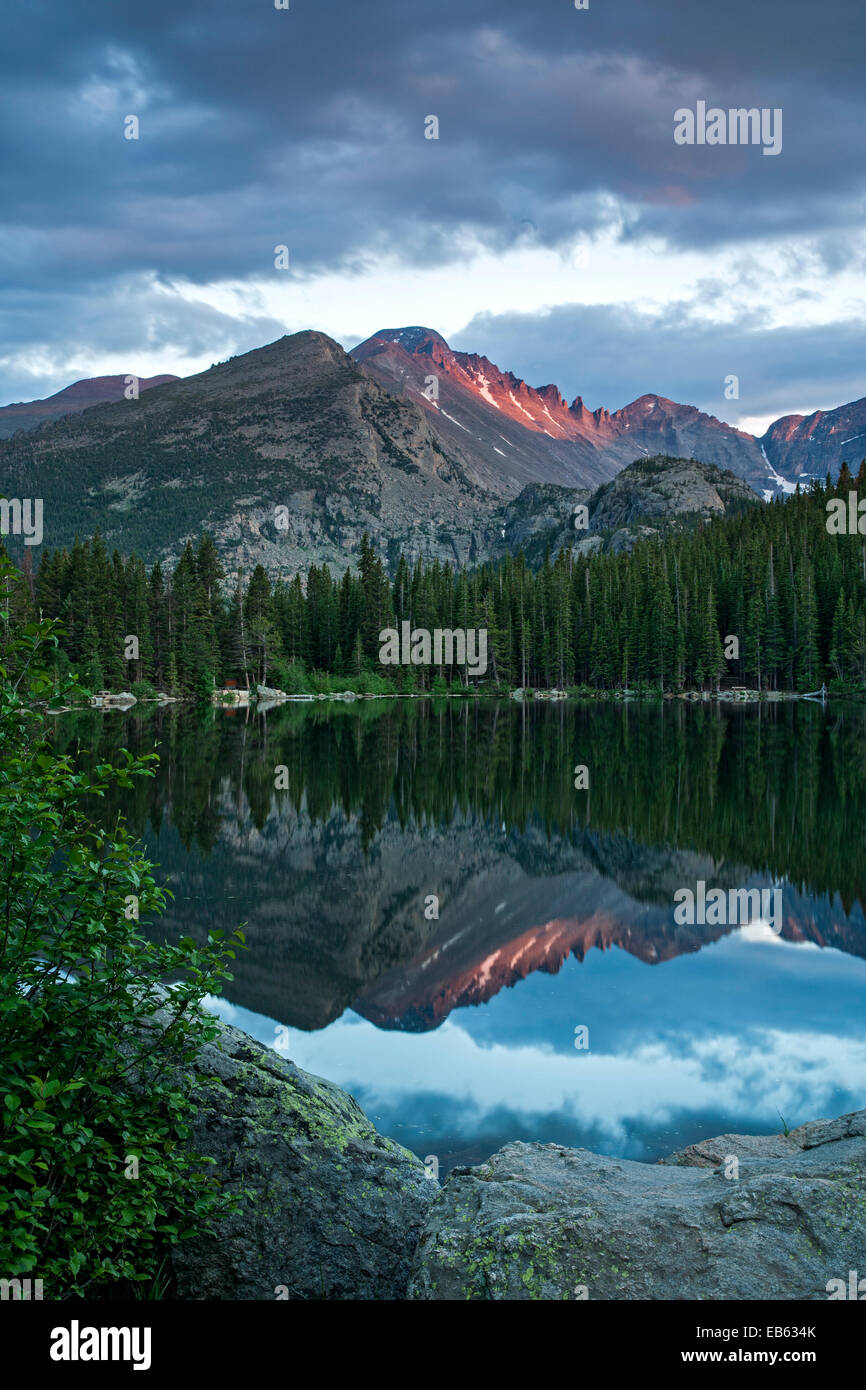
x=334 y=1209
x=542 y=1222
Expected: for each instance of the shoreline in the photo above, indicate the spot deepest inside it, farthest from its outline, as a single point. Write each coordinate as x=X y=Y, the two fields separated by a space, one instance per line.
x=122 y=703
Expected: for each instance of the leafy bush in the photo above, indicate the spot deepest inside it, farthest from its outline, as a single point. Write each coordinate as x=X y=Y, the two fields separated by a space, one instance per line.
x=143 y=690
x=367 y=683
x=96 y=1182
x=318 y=683
x=295 y=680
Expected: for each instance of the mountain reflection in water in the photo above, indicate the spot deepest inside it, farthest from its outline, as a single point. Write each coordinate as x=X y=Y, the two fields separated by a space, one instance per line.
x=692 y=1029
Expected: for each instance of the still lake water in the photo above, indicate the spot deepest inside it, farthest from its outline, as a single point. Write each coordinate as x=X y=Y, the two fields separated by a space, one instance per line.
x=556 y=907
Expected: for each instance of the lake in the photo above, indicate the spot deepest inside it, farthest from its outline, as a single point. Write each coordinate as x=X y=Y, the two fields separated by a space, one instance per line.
x=439 y=921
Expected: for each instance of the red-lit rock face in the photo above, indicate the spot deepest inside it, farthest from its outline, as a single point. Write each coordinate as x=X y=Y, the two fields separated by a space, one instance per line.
x=532 y=432
x=801 y=446
x=469 y=968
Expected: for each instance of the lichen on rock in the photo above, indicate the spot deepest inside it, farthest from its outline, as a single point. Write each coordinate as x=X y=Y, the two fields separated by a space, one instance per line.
x=331 y=1209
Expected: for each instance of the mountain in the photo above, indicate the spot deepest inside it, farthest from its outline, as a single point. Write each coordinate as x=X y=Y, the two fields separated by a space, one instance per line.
x=510 y=433
x=297 y=424
x=29 y=415
x=289 y=453
x=505 y=432
x=301 y=425
x=516 y=904
x=802 y=447
x=546 y=920
x=646 y=499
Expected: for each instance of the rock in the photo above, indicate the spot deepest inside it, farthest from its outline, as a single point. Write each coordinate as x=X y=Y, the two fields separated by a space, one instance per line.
x=710 y=1153
x=589 y=545
x=542 y=1222
x=230 y=697
x=124 y=699
x=851 y=1126
x=266 y=692
x=626 y=538
x=334 y=1209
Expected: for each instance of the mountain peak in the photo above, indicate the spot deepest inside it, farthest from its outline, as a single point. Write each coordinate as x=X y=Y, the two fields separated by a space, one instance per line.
x=307 y=343
x=509 y=433
x=412 y=340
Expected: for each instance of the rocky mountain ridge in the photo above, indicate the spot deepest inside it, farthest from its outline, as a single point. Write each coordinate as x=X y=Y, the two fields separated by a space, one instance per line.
x=507 y=434
x=289 y=453
x=29 y=415
x=477 y=408
x=803 y=447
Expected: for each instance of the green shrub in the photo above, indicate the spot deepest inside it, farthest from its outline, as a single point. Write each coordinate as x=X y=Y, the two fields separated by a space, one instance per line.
x=96 y=1182
x=143 y=690
x=367 y=683
x=295 y=680
x=203 y=687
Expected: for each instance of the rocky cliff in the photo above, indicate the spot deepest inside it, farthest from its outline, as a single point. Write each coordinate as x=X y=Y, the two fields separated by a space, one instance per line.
x=519 y=432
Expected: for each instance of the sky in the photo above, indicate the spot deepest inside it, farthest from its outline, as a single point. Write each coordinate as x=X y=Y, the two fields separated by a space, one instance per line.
x=555 y=225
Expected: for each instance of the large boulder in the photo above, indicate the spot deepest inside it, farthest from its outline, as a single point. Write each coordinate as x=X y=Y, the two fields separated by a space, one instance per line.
x=542 y=1222
x=334 y=1209
x=270 y=693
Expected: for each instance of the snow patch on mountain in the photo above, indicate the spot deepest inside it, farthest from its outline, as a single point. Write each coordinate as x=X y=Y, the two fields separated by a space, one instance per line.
x=453 y=421
x=781 y=482
x=484 y=390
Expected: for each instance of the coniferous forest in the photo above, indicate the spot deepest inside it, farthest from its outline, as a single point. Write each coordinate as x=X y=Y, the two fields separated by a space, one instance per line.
x=660 y=617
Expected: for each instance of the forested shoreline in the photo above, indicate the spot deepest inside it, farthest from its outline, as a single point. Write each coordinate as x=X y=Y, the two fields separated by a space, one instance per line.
x=792 y=595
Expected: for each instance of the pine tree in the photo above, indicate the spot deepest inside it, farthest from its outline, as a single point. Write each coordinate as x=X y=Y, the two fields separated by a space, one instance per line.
x=264 y=646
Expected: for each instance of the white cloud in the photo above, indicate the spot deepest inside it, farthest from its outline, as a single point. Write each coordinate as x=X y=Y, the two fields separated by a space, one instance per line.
x=761 y=1071
x=716 y=288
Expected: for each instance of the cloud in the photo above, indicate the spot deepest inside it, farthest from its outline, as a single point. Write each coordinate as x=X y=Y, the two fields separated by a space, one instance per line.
x=305 y=127
x=52 y=337
x=256 y=122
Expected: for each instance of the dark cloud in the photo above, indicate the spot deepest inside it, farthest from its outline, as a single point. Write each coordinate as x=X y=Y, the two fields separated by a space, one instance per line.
x=305 y=127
